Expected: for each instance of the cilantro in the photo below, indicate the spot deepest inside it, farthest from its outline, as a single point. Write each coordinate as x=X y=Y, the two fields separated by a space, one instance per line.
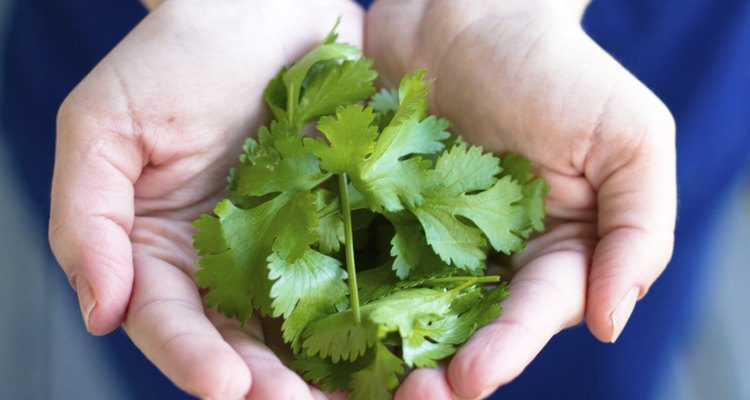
x=377 y=379
x=423 y=206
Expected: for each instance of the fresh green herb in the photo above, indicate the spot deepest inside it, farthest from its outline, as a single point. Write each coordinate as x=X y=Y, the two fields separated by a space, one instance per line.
x=384 y=185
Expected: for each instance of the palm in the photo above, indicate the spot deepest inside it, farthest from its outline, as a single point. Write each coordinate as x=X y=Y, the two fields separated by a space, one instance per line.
x=161 y=119
x=532 y=82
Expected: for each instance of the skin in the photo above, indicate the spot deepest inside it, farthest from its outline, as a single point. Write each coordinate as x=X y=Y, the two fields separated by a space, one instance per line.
x=145 y=140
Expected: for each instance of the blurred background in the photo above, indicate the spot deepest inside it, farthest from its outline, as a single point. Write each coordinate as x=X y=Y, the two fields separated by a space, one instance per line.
x=45 y=352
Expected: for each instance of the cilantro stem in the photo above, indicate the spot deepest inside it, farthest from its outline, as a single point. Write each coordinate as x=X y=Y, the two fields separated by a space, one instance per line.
x=473 y=279
x=465 y=281
x=349 y=245
x=290 y=101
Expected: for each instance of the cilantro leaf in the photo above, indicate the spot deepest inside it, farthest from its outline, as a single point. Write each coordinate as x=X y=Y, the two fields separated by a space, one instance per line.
x=463 y=169
x=377 y=168
x=294 y=77
x=305 y=290
x=387 y=179
x=491 y=212
x=385 y=104
x=336 y=85
x=291 y=169
x=534 y=189
x=385 y=101
x=375 y=283
x=235 y=244
x=438 y=339
x=338 y=336
x=330 y=227
x=413 y=256
x=351 y=137
x=328 y=375
x=412 y=98
x=275 y=95
x=399 y=310
x=377 y=379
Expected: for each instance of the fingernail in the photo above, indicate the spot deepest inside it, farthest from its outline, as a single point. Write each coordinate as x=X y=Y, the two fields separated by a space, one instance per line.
x=487 y=393
x=85 y=299
x=622 y=313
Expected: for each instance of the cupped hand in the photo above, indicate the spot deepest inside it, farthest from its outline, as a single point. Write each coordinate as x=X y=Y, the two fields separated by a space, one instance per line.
x=522 y=76
x=144 y=144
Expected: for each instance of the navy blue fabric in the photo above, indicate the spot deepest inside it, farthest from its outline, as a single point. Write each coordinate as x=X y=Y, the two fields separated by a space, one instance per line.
x=694 y=54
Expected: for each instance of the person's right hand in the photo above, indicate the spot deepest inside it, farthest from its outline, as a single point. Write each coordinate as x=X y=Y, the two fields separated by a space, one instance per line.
x=143 y=147
x=522 y=76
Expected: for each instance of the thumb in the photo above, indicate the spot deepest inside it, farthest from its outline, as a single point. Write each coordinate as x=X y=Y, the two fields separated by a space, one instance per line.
x=92 y=210
x=633 y=173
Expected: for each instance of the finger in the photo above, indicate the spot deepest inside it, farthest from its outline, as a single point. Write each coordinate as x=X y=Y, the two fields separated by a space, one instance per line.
x=633 y=171
x=271 y=378
x=546 y=296
x=425 y=383
x=92 y=213
x=167 y=322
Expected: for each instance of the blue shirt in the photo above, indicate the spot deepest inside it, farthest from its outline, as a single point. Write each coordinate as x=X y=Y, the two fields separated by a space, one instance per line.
x=694 y=54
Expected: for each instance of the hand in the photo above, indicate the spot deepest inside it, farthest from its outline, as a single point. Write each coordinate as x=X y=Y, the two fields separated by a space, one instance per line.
x=523 y=77
x=144 y=144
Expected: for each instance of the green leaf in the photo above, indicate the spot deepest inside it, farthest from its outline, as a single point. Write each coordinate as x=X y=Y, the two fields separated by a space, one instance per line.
x=455 y=242
x=490 y=212
x=534 y=189
x=461 y=170
x=378 y=379
x=326 y=374
x=351 y=137
x=292 y=169
x=331 y=226
x=468 y=204
x=413 y=256
x=421 y=349
x=399 y=310
x=375 y=283
x=338 y=336
x=388 y=178
x=295 y=76
x=234 y=246
x=336 y=85
x=412 y=98
x=435 y=340
x=385 y=104
x=385 y=101
x=275 y=95
x=295 y=229
x=332 y=35
x=305 y=290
